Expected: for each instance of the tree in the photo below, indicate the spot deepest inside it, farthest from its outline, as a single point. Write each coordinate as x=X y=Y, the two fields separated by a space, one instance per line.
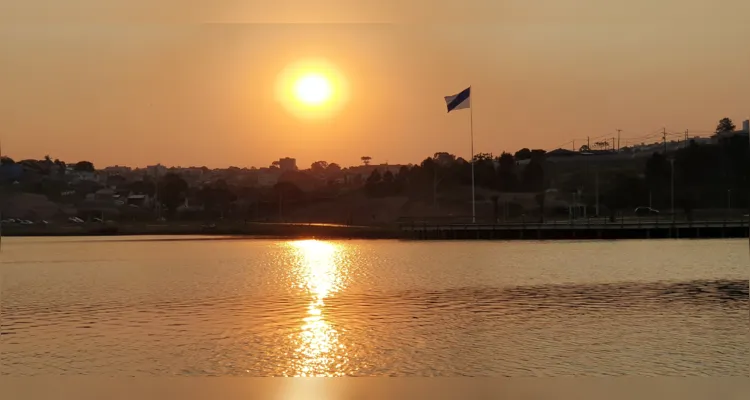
x=206 y=196
x=374 y=177
x=402 y=179
x=333 y=170
x=444 y=158
x=523 y=154
x=725 y=125
x=479 y=157
x=221 y=196
x=373 y=183
x=6 y=161
x=319 y=167
x=602 y=145
x=61 y=167
x=506 y=173
x=484 y=170
x=538 y=153
x=287 y=192
x=533 y=176
x=84 y=166
x=366 y=160
x=172 y=191
x=626 y=190
x=658 y=174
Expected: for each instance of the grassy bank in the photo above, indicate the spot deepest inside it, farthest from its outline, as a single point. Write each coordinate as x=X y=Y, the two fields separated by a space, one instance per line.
x=246 y=229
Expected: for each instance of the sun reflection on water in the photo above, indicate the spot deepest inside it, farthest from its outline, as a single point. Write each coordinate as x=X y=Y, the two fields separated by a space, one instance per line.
x=320 y=269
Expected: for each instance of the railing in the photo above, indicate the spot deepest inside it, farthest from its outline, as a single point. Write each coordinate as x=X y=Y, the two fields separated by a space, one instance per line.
x=589 y=223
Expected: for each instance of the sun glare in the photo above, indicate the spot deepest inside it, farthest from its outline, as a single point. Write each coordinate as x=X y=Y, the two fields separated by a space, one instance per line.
x=312 y=89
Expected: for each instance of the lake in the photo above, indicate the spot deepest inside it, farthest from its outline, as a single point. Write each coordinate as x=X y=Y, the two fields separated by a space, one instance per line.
x=192 y=306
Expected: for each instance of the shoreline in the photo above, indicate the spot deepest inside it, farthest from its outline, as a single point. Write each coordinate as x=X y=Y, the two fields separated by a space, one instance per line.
x=533 y=232
x=255 y=230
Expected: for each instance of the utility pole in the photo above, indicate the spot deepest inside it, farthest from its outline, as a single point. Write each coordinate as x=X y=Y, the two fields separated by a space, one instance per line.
x=613 y=144
x=588 y=142
x=664 y=139
x=1 y=202
x=618 y=139
x=574 y=145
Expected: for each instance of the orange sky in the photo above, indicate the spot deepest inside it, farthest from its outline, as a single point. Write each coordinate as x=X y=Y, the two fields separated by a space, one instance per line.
x=164 y=88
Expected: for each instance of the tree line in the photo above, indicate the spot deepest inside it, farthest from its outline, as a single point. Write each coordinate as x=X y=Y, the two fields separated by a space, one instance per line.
x=700 y=175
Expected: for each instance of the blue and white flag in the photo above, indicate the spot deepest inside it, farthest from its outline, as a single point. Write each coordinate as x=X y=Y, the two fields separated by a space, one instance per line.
x=459 y=101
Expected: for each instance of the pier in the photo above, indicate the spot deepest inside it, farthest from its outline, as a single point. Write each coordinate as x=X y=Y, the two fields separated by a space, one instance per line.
x=584 y=230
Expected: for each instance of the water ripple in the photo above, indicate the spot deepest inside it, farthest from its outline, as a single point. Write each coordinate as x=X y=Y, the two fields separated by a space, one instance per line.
x=663 y=328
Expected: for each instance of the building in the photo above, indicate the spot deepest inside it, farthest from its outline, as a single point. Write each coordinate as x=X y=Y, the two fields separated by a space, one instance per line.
x=156 y=170
x=117 y=170
x=138 y=200
x=83 y=176
x=287 y=164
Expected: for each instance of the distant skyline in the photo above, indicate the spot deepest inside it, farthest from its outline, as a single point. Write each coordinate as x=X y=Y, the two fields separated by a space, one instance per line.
x=542 y=73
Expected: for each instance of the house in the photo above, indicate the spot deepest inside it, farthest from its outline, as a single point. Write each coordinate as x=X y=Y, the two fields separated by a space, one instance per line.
x=87 y=176
x=139 y=200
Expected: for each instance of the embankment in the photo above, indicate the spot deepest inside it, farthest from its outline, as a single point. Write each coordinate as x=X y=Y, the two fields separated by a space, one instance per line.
x=249 y=229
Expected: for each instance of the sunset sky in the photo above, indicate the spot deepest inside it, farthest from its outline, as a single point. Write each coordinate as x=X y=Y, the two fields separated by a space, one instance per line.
x=193 y=82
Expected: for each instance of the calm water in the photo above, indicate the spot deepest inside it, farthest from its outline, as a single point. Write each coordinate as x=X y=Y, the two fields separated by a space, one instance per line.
x=146 y=306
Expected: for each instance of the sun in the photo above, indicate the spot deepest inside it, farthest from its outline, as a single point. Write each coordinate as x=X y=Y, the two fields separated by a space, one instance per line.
x=313 y=89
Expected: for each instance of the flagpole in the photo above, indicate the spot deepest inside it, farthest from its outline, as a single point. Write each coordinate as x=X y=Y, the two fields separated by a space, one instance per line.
x=2 y=200
x=471 y=131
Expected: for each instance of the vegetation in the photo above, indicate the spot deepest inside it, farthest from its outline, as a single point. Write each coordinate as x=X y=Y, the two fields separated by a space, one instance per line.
x=703 y=176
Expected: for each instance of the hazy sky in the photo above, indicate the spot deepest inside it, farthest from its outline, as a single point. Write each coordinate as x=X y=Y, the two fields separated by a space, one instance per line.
x=192 y=82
